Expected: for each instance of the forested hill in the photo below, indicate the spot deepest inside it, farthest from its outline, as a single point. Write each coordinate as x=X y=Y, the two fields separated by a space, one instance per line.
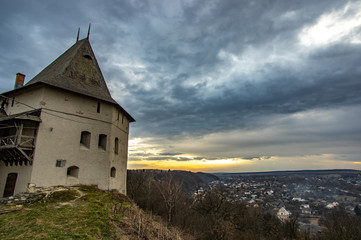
x=190 y=181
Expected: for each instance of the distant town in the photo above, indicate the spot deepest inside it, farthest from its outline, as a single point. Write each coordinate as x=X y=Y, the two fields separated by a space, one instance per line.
x=305 y=195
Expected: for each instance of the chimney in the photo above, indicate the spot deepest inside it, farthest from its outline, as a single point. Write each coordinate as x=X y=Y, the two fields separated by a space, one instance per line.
x=19 y=81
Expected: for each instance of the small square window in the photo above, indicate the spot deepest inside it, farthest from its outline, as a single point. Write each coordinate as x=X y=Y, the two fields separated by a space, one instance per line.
x=85 y=139
x=60 y=163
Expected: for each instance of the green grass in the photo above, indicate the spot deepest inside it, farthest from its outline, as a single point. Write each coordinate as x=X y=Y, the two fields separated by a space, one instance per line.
x=62 y=216
x=62 y=196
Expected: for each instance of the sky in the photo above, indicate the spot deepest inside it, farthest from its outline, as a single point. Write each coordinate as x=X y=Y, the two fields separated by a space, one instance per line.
x=214 y=85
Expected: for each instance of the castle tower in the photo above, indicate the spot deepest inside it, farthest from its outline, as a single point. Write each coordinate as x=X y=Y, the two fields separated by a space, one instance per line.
x=64 y=128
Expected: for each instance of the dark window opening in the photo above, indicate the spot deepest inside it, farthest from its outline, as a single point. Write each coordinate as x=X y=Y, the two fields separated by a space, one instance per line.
x=12 y=102
x=5 y=102
x=112 y=172
x=10 y=184
x=87 y=56
x=116 y=145
x=72 y=171
x=102 y=143
x=118 y=116
x=85 y=139
x=98 y=107
x=60 y=163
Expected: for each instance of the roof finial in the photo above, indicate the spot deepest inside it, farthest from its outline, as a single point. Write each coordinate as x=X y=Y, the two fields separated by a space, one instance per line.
x=77 y=37
x=88 y=31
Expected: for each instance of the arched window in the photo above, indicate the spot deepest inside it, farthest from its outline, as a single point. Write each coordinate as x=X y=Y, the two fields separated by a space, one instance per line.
x=112 y=172
x=85 y=139
x=102 y=143
x=72 y=171
x=116 y=145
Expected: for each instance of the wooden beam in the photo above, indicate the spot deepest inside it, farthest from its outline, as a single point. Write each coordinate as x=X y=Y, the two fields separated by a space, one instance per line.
x=25 y=155
x=19 y=132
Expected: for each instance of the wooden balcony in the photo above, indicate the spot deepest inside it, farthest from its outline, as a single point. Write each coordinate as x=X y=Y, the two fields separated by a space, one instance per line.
x=17 y=138
x=17 y=150
x=14 y=141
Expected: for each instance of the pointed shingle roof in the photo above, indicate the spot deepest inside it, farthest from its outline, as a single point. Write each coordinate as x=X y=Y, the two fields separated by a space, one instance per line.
x=77 y=70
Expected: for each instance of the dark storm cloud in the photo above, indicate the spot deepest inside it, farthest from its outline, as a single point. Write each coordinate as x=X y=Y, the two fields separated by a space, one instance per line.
x=170 y=63
x=308 y=133
x=33 y=34
x=282 y=93
x=189 y=50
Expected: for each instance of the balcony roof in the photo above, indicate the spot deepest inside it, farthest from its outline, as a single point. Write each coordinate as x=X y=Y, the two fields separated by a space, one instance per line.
x=33 y=115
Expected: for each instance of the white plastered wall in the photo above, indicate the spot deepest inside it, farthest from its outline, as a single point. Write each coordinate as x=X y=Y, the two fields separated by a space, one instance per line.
x=64 y=116
x=119 y=161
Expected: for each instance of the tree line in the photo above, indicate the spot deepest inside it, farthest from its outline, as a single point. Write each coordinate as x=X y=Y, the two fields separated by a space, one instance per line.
x=214 y=216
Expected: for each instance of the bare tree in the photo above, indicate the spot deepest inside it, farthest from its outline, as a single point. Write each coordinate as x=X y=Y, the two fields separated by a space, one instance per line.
x=135 y=183
x=171 y=192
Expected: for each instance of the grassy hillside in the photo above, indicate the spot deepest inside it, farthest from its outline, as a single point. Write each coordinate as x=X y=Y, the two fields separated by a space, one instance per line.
x=82 y=212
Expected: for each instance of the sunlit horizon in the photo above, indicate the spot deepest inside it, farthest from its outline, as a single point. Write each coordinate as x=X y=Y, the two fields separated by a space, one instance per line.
x=189 y=162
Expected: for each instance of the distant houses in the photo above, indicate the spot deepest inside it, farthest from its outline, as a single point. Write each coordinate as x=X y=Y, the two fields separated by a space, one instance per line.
x=283 y=214
x=332 y=205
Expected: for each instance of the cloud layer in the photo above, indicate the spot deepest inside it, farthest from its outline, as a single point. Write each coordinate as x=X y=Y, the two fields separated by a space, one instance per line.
x=210 y=80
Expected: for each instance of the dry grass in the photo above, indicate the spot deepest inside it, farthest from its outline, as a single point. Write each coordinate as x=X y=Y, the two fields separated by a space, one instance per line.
x=84 y=213
x=139 y=225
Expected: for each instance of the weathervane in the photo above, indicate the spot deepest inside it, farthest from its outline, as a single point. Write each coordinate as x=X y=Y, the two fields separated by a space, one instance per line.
x=77 y=37
x=88 y=31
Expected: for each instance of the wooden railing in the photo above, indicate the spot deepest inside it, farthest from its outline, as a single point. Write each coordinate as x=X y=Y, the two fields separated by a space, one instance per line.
x=27 y=141
x=8 y=141
x=12 y=141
